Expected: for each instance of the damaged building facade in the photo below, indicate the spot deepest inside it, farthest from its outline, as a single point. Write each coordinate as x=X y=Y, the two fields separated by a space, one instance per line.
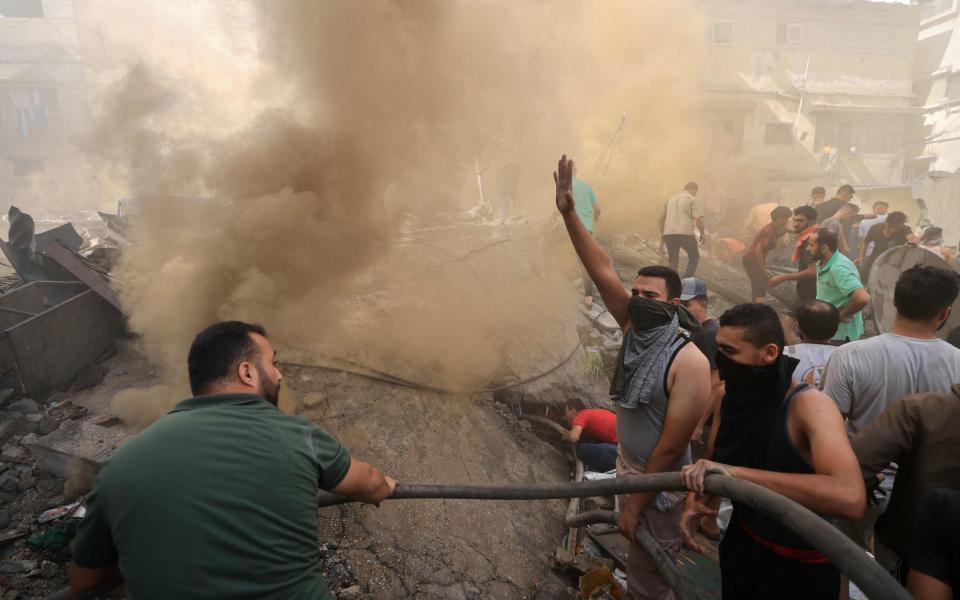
x=43 y=106
x=809 y=92
x=934 y=145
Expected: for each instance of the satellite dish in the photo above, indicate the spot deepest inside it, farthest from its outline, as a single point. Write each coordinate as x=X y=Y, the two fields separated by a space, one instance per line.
x=883 y=279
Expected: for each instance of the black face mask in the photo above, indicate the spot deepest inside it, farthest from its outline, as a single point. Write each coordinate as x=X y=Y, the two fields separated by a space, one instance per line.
x=646 y=314
x=748 y=385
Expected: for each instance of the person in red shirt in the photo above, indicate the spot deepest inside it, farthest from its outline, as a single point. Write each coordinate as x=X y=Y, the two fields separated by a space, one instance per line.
x=755 y=258
x=593 y=431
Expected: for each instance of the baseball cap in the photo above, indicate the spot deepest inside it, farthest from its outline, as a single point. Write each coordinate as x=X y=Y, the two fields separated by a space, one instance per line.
x=693 y=287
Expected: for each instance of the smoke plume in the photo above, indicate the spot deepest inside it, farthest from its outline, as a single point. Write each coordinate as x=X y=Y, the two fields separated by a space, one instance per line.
x=314 y=183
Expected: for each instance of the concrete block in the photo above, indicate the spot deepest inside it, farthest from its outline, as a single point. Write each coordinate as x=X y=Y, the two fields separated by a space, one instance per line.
x=24 y=406
x=76 y=448
x=15 y=426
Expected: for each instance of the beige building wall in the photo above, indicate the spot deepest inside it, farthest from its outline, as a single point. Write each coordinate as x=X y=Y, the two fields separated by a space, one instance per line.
x=43 y=107
x=857 y=90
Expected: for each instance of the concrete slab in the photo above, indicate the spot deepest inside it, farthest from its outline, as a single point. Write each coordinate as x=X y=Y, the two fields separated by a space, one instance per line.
x=76 y=448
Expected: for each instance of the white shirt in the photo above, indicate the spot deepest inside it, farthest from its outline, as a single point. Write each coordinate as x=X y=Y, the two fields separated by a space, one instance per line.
x=864 y=377
x=813 y=361
x=681 y=211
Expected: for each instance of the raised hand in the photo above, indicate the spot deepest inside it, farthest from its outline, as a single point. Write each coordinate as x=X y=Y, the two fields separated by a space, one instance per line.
x=563 y=178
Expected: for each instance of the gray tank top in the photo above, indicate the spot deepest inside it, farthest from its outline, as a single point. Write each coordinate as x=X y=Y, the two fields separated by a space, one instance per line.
x=639 y=429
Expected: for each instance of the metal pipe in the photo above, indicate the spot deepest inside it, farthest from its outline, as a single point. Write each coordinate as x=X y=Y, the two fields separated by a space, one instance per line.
x=849 y=558
x=545 y=422
x=646 y=541
x=574 y=508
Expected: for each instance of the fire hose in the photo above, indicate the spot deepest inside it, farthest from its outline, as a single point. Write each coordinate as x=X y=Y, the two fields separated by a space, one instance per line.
x=849 y=558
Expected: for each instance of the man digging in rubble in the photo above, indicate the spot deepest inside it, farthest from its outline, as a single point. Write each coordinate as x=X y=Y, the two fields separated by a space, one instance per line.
x=657 y=409
x=218 y=499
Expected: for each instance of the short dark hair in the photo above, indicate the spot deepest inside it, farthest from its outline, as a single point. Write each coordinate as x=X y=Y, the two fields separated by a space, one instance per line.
x=217 y=350
x=576 y=404
x=759 y=323
x=691 y=186
x=818 y=191
x=896 y=219
x=828 y=238
x=923 y=291
x=931 y=233
x=818 y=320
x=846 y=188
x=668 y=275
x=780 y=212
x=806 y=211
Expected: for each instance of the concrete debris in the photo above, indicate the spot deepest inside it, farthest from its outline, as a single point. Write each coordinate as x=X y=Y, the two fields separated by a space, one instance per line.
x=77 y=448
x=312 y=399
x=49 y=569
x=12 y=453
x=18 y=566
x=24 y=406
x=350 y=593
x=553 y=588
x=15 y=426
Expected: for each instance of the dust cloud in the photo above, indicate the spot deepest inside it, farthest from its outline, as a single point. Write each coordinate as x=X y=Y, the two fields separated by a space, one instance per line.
x=316 y=184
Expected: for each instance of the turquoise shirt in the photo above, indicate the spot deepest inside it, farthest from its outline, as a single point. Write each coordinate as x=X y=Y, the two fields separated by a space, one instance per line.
x=584 y=199
x=836 y=280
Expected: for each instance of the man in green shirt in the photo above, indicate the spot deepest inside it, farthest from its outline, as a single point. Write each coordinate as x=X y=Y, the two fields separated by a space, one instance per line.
x=838 y=282
x=218 y=499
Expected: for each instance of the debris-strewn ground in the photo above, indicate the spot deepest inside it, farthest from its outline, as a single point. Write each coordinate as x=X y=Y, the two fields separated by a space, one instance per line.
x=436 y=548
x=419 y=549
x=33 y=556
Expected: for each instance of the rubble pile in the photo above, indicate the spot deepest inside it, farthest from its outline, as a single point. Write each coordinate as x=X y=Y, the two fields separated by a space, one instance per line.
x=34 y=542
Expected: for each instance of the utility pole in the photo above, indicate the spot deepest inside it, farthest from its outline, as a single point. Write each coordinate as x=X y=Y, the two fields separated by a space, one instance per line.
x=803 y=92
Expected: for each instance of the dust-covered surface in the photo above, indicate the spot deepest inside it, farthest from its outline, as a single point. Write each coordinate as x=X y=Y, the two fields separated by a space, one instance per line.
x=437 y=548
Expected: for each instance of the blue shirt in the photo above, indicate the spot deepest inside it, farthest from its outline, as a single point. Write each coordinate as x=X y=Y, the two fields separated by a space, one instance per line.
x=584 y=199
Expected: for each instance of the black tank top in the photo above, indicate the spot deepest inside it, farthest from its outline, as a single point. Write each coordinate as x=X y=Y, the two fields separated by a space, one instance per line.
x=765 y=444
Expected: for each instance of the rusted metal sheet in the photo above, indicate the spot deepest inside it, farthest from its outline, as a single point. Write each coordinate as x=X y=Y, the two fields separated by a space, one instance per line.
x=72 y=328
x=67 y=235
x=79 y=269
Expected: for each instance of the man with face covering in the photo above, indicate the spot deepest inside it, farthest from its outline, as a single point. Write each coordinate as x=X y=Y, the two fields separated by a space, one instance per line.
x=218 y=499
x=783 y=435
x=661 y=388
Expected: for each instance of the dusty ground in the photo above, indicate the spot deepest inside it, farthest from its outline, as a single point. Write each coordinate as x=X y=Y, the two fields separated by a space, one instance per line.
x=437 y=548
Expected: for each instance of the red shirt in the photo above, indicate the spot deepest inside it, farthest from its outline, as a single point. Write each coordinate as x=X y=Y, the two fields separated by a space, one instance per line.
x=766 y=239
x=598 y=423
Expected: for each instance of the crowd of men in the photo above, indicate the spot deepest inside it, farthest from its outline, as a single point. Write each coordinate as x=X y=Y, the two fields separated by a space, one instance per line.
x=865 y=433
x=862 y=432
